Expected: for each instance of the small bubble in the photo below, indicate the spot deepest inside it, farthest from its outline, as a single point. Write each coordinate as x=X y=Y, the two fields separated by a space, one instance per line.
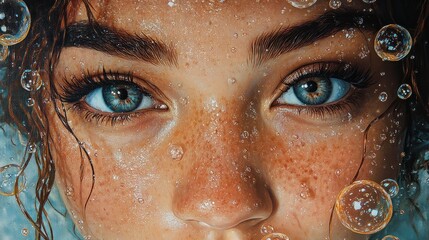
x=382 y=97
x=14 y=22
x=32 y=148
x=176 y=152
x=391 y=187
x=266 y=229
x=24 y=232
x=368 y=1
x=29 y=102
x=390 y=237
x=364 y=207
x=404 y=91
x=31 y=80
x=335 y=4
x=302 y=3
x=392 y=42
x=8 y=177
x=232 y=80
x=275 y=236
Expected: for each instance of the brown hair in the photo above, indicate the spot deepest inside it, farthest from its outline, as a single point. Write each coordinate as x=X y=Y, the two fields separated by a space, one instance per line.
x=41 y=50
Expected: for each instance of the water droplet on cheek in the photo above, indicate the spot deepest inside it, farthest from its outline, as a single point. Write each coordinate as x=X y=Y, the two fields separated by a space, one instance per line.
x=404 y=91
x=176 y=152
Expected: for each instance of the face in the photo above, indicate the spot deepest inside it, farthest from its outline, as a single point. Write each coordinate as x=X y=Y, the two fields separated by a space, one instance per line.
x=210 y=119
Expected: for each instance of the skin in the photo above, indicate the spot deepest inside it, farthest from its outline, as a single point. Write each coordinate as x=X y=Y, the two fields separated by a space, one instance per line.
x=246 y=161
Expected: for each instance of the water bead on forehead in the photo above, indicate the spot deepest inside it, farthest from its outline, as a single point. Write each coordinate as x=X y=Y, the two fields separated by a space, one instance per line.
x=364 y=207
x=14 y=21
x=266 y=229
x=302 y=3
x=382 y=97
x=392 y=42
x=8 y=175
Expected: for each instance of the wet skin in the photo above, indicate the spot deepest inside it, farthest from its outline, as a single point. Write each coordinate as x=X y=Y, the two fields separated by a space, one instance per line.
x=248 y=158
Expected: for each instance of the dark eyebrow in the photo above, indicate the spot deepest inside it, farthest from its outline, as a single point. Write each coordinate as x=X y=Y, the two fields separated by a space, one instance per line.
x=275 y=43
x=119 y=43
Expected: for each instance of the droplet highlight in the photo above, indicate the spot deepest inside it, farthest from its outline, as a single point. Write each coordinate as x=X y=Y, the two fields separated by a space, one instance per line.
x=302 y=3
x=8 y=176
x=15 y=21
x=31 y=80
x=404 y=91
x=176 y=152
x=392 y=42
x=364 y=207
x=275 y=236
x=390 y=186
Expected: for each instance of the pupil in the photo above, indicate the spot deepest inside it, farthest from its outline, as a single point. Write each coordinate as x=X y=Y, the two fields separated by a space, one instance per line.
x=310 y=86
x=122 y=93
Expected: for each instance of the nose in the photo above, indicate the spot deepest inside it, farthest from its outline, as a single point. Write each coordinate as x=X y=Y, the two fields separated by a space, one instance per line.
x=221 y=188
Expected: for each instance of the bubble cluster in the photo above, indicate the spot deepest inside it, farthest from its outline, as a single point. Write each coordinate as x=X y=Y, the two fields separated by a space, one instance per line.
x=15 y=21
x=8 y=175
x=31 y=80
x=390 y=237
x=275 y=236
x=364 y=207
x=334 y=4
x=392 y=42
x=404 y=91
x=302 y=3
x=390 y=186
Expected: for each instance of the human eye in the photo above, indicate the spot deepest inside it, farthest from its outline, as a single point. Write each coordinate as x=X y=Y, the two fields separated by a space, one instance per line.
x=109 y=96
x=322 y=88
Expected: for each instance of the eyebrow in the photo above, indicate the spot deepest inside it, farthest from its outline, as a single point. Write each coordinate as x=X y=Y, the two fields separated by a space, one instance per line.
x=275 y=43
x=119 y=43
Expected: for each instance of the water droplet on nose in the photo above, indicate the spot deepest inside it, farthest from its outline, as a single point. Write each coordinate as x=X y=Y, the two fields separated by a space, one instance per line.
x=14 y=21
x=266 y=229
x=364 y=207
x=382 y=97
x=390 y=237
x=302 y=3
x=391 y=187
x=335 y=4
x=404 y=91
x=275 y=236
x=31 y=80
x=8 y=175
x=392 y=42
x=176 y=152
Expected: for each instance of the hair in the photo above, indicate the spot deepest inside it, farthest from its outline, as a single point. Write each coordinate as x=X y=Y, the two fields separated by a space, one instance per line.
x=42 y=47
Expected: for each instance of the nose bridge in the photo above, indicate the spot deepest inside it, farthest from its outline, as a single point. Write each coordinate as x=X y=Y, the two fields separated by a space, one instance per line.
x=220 y=187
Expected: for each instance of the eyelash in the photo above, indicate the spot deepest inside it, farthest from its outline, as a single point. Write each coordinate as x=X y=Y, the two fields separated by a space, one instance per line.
x=358 y=78
x=77 y=88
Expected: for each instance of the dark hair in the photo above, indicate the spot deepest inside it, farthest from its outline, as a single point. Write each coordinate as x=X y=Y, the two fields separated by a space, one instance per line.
x=41 y=50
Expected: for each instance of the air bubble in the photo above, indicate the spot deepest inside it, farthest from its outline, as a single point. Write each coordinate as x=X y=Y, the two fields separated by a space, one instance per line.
x=176 y=152
x=8 y=175
x=364 y=207
x=404 y=91
x=334 y=4
x=382 y=97
x=31 y=80
x=4 y=52
x=275 y=236
x=24 y=232
x=390 y=237
x=266 y=229
x=392 y=42
x=391 y=187
x=302 y=3
x=29 y=102
x=14 y=21
x=32 y=148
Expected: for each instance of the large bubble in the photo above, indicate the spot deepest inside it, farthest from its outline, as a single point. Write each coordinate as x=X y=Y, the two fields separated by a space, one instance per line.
x=31 y=80
x=8 y=175
x=14 y=21
x=302 y=3
x=364 y=207
x=392 y=42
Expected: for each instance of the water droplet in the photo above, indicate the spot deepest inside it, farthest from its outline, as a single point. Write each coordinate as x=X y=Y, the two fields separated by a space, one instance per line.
x=390 y=237
x=382 y=97
x=275 y=236
x=335 y=4
x=368 y=1
x=31 y=80
x=349 y=33
x=8 y=175
x=404 y=91
x=29 y=102
x=392 y=42
x=24 y=232
x=69 y=191
x=302 y=3
x=32 y=148
x=4 y=52
x=266 y=229
x=364 y=207
x=391 y=187
x=232 y=80
x=140 y=200
x=176 y=152
x=14 y=21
